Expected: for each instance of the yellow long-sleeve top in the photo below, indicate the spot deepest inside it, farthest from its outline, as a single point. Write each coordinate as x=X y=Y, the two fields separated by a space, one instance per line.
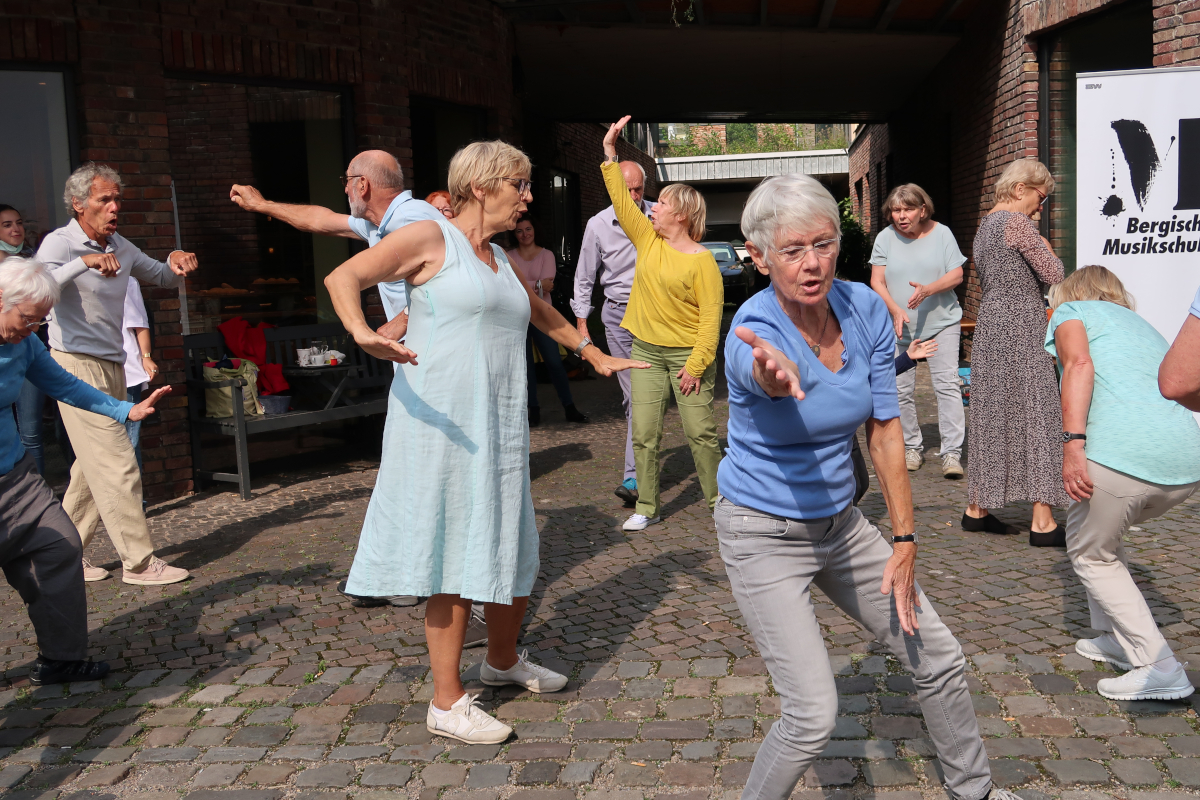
x=677 y=298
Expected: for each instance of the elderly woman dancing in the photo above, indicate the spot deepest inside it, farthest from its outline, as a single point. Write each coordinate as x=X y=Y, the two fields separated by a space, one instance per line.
x=674 y=314
x=42 y=555
x=811 y=360
x=1129 y=455
x=451 y=517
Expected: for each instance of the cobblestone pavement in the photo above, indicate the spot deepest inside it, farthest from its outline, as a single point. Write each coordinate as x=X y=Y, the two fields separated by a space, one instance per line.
x=257 y=681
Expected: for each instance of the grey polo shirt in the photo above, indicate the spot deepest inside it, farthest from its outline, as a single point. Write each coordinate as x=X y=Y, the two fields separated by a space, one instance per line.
x=88 y=318
x=606 y=255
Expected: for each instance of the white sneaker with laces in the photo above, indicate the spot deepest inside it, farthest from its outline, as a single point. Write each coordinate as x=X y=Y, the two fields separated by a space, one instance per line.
x=1001 y=794
x=913 y=459
x=639 y=522
x=532 y=676
x=467 y=722
x=1103 y=648
x=91 y=573
x=1147 y=683
x=952 y=466
x=156 y=573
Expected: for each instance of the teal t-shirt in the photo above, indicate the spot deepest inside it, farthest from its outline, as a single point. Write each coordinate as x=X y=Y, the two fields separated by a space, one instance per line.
x=1131 y=427
x=923 y=260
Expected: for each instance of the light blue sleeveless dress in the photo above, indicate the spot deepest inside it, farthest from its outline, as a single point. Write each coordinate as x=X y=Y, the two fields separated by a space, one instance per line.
x=451 y=512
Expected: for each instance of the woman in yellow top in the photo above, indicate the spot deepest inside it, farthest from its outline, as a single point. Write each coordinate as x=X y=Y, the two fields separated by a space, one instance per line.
x=674 y=314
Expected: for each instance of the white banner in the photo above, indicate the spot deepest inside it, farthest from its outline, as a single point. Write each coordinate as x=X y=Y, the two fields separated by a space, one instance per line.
x=1138 y=187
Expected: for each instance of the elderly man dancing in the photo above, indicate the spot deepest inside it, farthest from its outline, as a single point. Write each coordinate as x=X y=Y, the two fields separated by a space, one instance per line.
x=811 y=361
x=92 y=263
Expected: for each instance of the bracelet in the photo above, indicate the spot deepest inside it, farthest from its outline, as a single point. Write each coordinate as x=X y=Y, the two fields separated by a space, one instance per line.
x=582 y=346
x=912 y=537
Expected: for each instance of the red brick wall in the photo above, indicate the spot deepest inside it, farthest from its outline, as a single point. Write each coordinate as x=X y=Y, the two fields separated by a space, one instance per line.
x=1176 y=33
x=579 y=150
x=868 y=164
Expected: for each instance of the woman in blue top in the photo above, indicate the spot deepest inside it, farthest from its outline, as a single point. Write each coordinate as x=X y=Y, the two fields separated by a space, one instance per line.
x=1129 y=455
x=40 y=550
x=811 y=361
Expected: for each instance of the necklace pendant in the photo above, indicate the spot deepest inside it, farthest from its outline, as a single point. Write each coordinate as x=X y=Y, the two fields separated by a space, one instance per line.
x=816 y=348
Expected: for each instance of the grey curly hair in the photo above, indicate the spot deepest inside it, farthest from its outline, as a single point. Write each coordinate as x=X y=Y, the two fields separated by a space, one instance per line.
x=79 y=185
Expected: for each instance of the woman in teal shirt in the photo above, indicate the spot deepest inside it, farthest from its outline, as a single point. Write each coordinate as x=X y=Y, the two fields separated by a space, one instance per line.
x=1128 y=455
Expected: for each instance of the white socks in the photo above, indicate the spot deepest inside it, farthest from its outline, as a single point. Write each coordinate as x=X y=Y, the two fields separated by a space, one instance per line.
x=437 y=712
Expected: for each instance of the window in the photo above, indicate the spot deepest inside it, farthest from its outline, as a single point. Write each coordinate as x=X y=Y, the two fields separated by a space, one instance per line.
x=38 y=150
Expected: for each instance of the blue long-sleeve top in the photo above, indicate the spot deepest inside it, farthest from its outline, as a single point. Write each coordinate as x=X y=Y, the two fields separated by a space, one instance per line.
x=792 y=458
x=28 y=360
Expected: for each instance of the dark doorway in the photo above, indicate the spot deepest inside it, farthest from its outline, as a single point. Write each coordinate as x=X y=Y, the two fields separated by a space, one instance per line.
x=439 y=130
x=561 y=213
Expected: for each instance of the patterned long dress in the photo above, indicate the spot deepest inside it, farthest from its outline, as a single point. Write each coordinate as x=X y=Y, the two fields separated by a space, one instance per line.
x=1016 y=419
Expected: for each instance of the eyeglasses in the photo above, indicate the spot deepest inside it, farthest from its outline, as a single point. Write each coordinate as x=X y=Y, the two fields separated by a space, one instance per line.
x=523 y=185
x=1041 y=195
x=35 y=324
x=796 y=253
x=345 y=179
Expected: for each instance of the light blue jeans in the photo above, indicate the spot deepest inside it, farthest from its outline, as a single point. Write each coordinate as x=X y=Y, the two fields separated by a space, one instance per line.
x=772 y=562
x=135 y=428
x=943 y=371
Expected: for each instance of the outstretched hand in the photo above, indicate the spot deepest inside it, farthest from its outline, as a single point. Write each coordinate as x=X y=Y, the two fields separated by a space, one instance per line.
x=776 y=373
x=145 y=408
x=610 y=138
x=608 y=366
x=385 y=348
x=919 y=349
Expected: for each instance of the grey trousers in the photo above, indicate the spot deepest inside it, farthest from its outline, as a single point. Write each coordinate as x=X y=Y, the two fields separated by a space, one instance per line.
x=620 y=345
x=943 y=372
x=1094 y=529
x=772 y=563
x=42 y=559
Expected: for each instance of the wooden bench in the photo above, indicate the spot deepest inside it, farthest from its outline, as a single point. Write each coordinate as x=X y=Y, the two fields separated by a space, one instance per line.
x=361 y=392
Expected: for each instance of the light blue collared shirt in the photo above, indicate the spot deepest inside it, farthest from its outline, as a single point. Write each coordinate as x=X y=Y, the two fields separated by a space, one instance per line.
x=403 y=210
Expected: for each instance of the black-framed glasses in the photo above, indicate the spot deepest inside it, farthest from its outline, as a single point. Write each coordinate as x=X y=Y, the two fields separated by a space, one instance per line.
x=345 y=179
x=523 y=184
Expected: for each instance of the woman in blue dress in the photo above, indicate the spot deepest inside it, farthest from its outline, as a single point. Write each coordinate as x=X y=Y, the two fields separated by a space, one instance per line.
x=451 y=517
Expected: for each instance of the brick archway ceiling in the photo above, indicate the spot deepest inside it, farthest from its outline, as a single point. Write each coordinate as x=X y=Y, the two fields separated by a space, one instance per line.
x=816 y=60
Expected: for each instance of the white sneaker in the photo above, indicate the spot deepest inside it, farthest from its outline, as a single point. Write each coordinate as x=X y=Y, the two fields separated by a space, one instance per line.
x=1103 y=648
x=952 y=466
x=467 y=722
x=1147 y=683
x=639 y=522
x=91 y=573
x=532 y=676
x=1002 y=794
x=913 y=459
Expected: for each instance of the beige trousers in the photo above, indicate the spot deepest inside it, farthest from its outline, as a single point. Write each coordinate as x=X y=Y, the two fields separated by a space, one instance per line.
x=105 y=481
x=1094 y=530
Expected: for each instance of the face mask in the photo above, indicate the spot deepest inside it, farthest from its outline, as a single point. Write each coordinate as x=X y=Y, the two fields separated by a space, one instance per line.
x=11 y=249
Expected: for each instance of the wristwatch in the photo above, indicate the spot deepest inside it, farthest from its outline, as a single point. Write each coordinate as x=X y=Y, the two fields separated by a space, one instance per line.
x=579 y=348
x=1066 y=437
x=145 y=355
x=911 y=537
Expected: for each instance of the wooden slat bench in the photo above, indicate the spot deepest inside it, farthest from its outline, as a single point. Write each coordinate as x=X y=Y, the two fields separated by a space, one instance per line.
x=362 y=392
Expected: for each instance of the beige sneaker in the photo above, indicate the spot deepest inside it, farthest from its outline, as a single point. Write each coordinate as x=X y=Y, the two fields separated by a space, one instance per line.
x=156 y=573
x=952 y=466
x=91 y=573
x=467 y=722
x=913 y=459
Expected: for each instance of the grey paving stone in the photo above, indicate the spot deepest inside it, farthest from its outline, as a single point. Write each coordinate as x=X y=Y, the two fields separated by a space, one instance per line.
x=888 y=728
x=259 y=736
x=1052 y=684
x=991 y=663
x=144 y=678
x=632 y=669
x=870 y=748
x=176 y=775
x=1163 y=726
x=551 y=730
x=1081 y=748
x=594 y=751
x=385 y=775
x=311 y=694
x=1018 y=748
x=357 y=752
x=682 y=729
x=371 y=675
x=1185 y=745
x=710 y=667
x=327 y=776
x=1184 y=770
x=38 y=755
x=217 y=775
x=891 y=772
x=105 y=776
x=369 y=733
x=633 y=775
x=605 y=729
x=1139 y=746
x=738 y=706
x=830 y=773
x=300 y=753
x=158 y=754
x=381 y=712
x=700 y=751
x=645 y=689
x=270 y=716
x=233 y=754
x=103 y=754
x=1034 y=665
x=160 y=696
x=577 y=773
x=1076 y=771
x=744 y=749
x=538 y=772
x=417 y=752
x=235 y=794
x=444 y=775
x=1008 y=772
x=268 y=774
x=847 y=704
x=532 y=751
x=473 y=752
x=1135 y=771
x=484 y=776
x=649 y=751
x=733 y=728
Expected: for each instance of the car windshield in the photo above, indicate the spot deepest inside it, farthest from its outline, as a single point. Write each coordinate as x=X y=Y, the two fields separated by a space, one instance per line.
x=722 y=252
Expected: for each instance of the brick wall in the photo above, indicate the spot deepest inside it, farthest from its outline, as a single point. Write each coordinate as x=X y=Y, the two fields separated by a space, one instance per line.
x=1176 y=33
x=578 y=150
x=868 y=175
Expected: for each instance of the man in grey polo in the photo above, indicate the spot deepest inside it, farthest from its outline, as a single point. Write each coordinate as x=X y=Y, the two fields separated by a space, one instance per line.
x=609 y=257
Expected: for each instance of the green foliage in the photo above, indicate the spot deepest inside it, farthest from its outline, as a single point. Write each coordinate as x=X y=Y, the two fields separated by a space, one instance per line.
x=707 y=144
x=852 y=259
x=749 y=137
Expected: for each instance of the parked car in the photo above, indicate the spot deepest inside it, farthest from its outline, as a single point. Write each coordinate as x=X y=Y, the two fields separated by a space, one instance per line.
x=737 y=279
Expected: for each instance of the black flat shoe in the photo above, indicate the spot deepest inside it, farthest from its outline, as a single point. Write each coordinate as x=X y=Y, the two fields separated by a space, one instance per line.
x=1054 y=538
x=535 y=417
x=46 y=670
x=575 y=415
x=988 y=524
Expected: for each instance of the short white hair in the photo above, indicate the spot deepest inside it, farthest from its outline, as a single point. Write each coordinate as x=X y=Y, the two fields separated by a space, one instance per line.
x=79 y=185
x=797 y=203
x=26 y=280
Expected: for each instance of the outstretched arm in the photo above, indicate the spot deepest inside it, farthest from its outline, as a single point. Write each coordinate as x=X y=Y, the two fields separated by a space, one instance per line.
x=1179 y=373
x=310 y=219
x=414 y=253
x=639 y=229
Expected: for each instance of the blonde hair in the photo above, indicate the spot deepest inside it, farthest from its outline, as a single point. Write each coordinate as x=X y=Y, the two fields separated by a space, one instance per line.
x=1092 y=282
x=690 y=204
x=1028 y=171
x=907 y=195
x=484 y=165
